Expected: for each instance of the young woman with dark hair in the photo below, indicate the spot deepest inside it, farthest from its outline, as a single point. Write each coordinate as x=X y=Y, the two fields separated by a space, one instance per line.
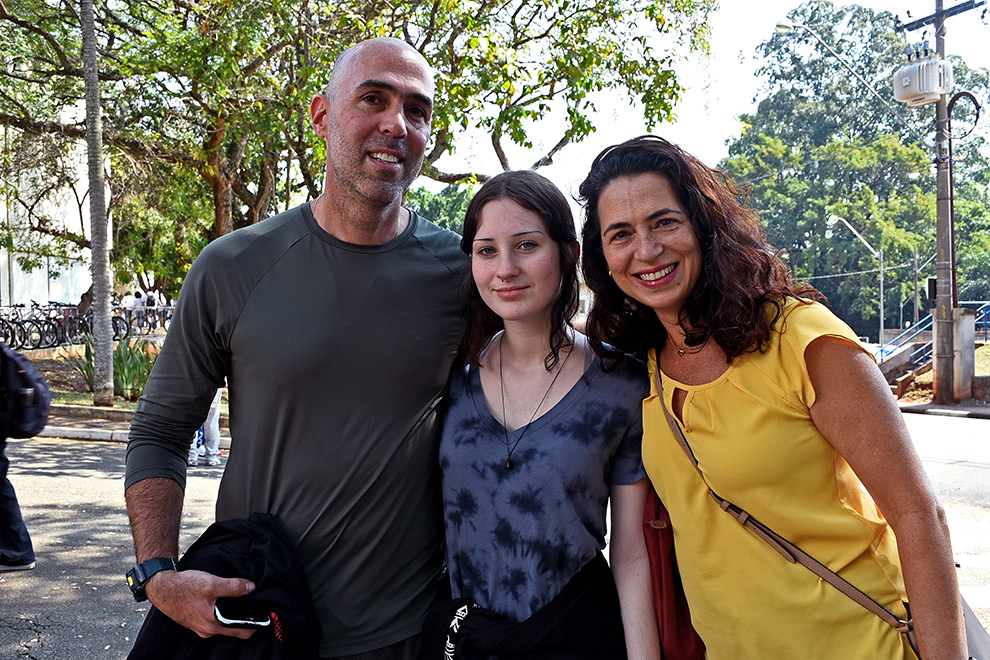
x=537 y=440
x=786 y=414
x=537 y=194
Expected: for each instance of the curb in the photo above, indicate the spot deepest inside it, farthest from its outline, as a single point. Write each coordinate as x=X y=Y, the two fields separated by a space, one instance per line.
x=979 y=413
x=94 y=434
x=92 y=412
x=109 y=414
x=97 y=434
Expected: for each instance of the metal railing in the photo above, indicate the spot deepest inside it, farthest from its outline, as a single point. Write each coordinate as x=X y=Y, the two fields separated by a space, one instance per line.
x=923 y=353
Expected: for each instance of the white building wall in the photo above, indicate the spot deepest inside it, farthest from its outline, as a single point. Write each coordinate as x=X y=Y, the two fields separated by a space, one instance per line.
x=63 y=283
x=41 y=285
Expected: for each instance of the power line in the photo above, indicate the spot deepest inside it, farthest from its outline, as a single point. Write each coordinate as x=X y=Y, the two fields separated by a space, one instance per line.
x=946 y=13
x=871 y=271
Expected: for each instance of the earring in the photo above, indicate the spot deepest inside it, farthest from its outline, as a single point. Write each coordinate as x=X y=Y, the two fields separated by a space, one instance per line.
x=610 y=273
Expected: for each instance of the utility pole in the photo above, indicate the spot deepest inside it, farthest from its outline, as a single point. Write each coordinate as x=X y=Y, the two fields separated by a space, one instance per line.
x=943 y=387
x=945 y=297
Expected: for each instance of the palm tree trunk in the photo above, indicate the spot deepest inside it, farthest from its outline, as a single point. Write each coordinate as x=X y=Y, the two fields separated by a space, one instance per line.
x=102 y=330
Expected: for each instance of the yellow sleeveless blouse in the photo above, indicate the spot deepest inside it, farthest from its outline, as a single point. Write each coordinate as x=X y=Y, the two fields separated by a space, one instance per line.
x=757 y=446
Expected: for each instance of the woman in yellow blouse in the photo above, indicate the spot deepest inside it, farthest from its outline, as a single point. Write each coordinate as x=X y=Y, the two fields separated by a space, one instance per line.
x=787 y=415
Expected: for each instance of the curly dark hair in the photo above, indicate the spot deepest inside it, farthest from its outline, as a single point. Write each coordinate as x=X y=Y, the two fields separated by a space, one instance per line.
x=743 y=286
x=538 y=194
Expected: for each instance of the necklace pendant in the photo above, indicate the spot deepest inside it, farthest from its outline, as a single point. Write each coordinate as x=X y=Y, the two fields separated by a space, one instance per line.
x=508 y=464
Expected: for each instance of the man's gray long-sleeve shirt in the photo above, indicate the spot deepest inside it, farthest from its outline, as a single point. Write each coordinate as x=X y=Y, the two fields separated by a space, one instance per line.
x=336 y=356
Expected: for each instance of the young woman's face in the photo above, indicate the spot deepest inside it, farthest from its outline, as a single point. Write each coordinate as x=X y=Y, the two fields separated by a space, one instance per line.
x=515 y=263
x=649 y=242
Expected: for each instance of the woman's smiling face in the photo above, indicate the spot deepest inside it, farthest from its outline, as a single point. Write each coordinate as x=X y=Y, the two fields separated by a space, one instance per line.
x=649 y=243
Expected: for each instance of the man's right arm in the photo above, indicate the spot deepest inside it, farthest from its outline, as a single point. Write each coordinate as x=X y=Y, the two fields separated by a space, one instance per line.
x=154 y=507
x=176 y=399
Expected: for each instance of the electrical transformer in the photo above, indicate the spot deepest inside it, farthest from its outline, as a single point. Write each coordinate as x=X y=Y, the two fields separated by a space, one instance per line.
x=923 y=81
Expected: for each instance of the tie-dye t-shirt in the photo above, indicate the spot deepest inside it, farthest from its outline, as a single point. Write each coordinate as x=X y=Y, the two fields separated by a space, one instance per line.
x=515 y=537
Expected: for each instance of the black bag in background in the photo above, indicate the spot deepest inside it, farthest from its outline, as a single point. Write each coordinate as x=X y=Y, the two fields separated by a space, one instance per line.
x=25 y=399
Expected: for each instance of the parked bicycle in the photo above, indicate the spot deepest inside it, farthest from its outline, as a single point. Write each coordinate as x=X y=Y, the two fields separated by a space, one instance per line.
x=50 y=325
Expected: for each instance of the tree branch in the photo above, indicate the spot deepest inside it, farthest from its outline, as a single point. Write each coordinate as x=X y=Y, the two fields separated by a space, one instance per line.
x=497 y=145
x=548 y=158
x=440 y=145
x=52 y=42
x=40 y=225
x=447 y=177
x=264 y=57
x=78 y=132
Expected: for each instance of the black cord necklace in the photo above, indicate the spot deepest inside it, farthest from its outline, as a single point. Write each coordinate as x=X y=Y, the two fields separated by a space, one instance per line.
x=505 y=422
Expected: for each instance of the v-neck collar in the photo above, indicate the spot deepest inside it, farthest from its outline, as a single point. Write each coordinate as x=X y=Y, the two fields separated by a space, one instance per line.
x=492 y=424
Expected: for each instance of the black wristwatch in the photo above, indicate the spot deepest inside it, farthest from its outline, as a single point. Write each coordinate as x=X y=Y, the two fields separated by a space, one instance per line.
x=138 y=576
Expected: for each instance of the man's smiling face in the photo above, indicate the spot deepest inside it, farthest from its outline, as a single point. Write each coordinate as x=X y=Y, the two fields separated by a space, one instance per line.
x=378 y=121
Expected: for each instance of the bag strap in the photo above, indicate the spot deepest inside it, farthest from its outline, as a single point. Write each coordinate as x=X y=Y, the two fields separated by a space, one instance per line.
x=788 y=550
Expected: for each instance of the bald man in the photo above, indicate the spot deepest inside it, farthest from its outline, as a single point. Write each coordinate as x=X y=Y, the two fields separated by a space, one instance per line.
x=334 y=325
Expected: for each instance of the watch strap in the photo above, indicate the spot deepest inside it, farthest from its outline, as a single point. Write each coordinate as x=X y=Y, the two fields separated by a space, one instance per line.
x=139 y=575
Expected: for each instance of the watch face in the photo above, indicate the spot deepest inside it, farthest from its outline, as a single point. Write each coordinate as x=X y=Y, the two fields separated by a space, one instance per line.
x=135 y=584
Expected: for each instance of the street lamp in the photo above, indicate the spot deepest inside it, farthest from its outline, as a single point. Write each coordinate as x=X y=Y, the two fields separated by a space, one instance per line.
x=832 y=219
x=785 y=25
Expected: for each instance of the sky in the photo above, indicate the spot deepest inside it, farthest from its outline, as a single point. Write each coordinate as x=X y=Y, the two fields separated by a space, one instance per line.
x=722 y=86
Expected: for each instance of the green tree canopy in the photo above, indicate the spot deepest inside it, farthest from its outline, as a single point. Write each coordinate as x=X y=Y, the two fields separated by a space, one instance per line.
x=820 y=144
x=446 y=208
x=220 y=91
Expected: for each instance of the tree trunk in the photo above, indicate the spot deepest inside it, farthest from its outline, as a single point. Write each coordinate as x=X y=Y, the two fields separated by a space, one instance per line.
x=223 y=204
x=85 y=302
x=102 y=330
x=218 y=174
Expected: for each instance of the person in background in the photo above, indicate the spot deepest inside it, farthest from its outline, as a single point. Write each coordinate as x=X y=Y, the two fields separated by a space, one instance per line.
x=786 y=413
x=139 y=304
x=538 y=438
x=127 y=308
x=334 y=404
x=16 y=550
x=209 y=434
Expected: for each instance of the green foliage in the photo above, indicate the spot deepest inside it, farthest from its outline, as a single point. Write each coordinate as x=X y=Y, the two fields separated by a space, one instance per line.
x=84 y=364
x=132 y=363
x=971 y=208
x=219 y=91
x=162 y=217
x=446 y=208
x=821 y=144
x=502 y=69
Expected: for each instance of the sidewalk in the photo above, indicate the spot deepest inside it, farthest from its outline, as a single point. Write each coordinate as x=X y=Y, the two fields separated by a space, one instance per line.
x=968 y=409
x=111 y=425
x=99 y=424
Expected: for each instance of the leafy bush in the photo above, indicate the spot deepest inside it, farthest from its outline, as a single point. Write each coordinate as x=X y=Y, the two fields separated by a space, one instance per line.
x=132 y=362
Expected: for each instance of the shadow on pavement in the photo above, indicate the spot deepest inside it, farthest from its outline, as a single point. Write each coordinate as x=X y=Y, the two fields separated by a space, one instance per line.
x=74 y=604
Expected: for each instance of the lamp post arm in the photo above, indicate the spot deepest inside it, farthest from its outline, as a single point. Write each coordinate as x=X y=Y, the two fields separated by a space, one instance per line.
x=867 y=85
x=869 y=247
x=878 y=255
x=881 y=342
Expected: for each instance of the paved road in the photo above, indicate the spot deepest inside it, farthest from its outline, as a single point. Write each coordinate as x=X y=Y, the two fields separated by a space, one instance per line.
x=956 y=454
x=75 y=605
